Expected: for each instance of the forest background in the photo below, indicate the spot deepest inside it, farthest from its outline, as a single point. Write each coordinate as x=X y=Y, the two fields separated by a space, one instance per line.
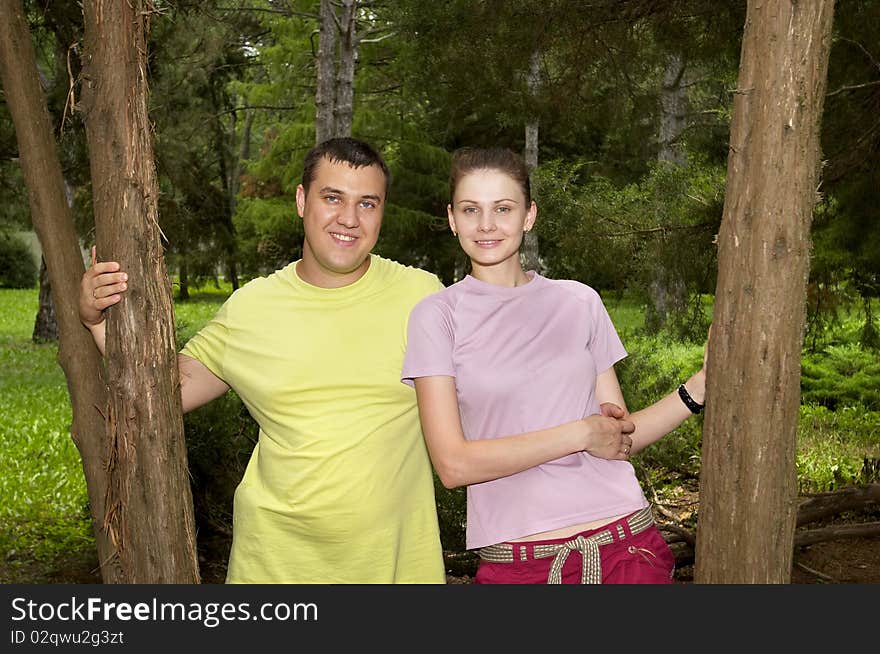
x=621 y=108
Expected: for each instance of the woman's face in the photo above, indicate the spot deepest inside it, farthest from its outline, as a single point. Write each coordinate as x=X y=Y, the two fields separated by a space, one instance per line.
x=489 y=213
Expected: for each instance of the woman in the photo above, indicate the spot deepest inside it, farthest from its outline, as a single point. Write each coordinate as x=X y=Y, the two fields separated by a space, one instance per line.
x=518 y=399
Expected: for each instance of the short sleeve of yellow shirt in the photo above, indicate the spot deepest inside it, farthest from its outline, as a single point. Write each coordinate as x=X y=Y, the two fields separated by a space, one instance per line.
x=339 y=488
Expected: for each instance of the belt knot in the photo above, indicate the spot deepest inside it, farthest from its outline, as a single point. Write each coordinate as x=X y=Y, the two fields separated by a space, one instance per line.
x=591 y=571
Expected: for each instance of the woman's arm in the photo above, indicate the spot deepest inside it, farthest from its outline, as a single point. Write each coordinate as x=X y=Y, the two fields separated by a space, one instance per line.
x=460 y=462
x=657 y=420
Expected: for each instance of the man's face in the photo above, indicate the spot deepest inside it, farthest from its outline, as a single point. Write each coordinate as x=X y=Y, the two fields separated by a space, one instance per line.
x=342 y=214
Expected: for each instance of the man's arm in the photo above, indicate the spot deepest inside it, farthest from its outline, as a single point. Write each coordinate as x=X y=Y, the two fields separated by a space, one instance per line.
x=102 y=286
x=198 y=385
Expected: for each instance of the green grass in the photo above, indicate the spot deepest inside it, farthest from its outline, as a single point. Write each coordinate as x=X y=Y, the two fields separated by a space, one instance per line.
x=43 y=502
x=43 y=499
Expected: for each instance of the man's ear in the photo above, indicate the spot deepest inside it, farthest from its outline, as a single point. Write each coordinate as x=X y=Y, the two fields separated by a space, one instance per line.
x=300 y=200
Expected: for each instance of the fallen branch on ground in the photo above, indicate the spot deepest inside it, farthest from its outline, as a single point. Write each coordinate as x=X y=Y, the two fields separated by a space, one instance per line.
x=825 y=505
x=813 y=536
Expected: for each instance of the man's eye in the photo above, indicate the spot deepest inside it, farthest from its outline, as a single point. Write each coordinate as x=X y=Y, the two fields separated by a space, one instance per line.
x=366 y=204
x=331 y=198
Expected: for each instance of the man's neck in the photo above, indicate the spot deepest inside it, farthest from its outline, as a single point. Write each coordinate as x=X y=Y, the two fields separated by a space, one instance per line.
x=311 y=272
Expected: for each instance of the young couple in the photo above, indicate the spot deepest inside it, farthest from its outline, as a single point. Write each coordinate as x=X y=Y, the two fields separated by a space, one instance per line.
x=509 y=375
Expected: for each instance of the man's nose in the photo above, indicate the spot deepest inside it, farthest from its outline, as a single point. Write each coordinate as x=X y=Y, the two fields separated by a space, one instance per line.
x=348 y=216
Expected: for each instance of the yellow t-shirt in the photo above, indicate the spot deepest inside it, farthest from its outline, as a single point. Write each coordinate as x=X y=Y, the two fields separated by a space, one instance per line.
x=339 y=487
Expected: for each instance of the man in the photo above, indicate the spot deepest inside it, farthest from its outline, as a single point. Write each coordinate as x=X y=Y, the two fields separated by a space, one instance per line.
x=339 y=486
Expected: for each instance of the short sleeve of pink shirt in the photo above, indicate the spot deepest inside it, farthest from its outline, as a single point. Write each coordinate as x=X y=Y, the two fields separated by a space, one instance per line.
x=524 y=359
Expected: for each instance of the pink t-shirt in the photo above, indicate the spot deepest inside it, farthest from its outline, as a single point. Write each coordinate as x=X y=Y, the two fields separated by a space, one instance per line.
x=525 y=358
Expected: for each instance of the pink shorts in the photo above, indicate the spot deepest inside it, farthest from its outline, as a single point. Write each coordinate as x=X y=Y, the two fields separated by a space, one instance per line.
x=642 y=558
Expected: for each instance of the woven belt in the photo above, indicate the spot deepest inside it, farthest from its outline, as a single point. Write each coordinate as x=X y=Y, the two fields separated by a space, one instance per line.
x=591 y=569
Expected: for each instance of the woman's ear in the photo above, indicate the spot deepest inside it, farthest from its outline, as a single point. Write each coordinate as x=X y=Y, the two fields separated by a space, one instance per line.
x=451 y=219
x=531 y=215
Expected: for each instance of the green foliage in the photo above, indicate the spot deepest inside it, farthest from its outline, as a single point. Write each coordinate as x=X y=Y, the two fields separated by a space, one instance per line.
x=269 y=234
x=840 y=376
x=654 y=367
x=17 y=267
x=415 y=230
x=654 y=233
x=452 y=518
x=837 y=448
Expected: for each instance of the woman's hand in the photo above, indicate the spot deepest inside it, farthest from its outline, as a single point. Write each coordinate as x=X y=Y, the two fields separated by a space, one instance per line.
x=608 y=435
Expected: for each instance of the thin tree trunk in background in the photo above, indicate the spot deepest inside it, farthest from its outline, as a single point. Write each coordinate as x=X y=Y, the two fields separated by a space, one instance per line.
x=244 y=153
x=673 y=113
x=45 y=324
x=666 y=293
x=149 y=512
x=348 y=46
x=325 y=95
x=748 y=486
x=529 y=253
x=183 y=277
x=53 y=223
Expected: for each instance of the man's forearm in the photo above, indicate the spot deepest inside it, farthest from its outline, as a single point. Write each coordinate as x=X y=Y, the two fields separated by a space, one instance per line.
x=99 y=333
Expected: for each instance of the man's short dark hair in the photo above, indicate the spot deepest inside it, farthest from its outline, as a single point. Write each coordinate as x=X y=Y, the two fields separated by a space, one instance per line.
x=354 y=152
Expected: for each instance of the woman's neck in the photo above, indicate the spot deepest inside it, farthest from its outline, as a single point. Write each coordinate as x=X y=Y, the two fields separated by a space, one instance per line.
x=509 y=276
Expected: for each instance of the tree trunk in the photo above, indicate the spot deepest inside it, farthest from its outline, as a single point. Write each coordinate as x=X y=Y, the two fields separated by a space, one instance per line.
x=149 y=513
x=666 y=293
x=183 y=274
x=673 y=113
x=748 y=491
x=228 y=168
x=53 y=223
x=325 y=95
x=530 y=254
x=244 y=153
x=348 y=46
x=45 y=324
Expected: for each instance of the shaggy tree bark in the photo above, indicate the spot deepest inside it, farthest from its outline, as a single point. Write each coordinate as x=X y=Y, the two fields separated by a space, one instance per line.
x=53 y=223
x=149 y=512
x=748 y=491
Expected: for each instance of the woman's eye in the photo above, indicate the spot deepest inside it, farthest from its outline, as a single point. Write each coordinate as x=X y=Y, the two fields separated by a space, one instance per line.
x=503 y=209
